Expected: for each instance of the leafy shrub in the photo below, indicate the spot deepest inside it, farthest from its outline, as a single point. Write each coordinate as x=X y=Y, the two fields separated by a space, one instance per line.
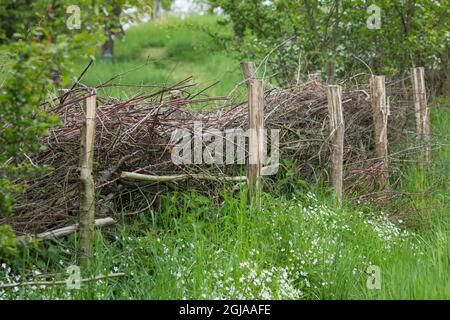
x=8 y=247
x=333 y=36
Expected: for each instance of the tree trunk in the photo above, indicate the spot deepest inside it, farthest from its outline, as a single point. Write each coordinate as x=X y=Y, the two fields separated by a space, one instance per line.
x=108 y=47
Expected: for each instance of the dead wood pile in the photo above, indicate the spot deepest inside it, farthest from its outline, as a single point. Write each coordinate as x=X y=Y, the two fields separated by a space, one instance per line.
x=135 y=136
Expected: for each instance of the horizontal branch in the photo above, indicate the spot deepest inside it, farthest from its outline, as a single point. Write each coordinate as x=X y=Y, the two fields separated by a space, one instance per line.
x=64 y=231
x=59 y=282
x=150 y=178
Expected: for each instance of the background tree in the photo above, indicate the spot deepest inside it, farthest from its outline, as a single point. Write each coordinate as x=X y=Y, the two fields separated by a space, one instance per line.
x=37 y=53
x=332 y=36
x=115 y=14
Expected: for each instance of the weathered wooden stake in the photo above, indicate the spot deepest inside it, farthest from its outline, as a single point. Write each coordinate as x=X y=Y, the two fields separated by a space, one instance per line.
x=249 y=71
x=337 y=127
x=421 y=108
x=256 y=130
x=86 y=180
x=380 y=112
x=255 y=140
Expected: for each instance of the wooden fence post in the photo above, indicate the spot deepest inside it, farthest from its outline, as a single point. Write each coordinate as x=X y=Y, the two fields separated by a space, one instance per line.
x=421 y=108
x=256 y=132
x=380 y=112
x=86 y=180
x=337 y=127
x=249 y=71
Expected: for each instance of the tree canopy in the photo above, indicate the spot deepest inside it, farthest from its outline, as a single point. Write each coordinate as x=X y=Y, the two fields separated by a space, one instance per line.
x=342 y=36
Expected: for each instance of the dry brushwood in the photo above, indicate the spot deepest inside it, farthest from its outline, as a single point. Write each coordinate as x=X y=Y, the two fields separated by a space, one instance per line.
x=134 y=136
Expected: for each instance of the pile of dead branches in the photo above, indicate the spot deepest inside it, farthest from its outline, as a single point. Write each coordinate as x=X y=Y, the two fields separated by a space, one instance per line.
x=135 y=136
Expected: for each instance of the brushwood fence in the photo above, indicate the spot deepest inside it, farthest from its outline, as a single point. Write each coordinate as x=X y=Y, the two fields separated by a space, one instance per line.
x=125 y=149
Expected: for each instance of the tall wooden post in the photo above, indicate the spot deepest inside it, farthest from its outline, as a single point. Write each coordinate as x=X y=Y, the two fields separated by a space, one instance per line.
x=86 y=180
x=380 y=112
x=256 y=129
x=337 y=127
x=421 y=108
x=249 y=71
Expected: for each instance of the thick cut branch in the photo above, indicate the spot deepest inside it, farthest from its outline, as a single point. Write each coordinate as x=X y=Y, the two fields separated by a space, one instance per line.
x=178 y=177
x=65 y=231
x=60 y=282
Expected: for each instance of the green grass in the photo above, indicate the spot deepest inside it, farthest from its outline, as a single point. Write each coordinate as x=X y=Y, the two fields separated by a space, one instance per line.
x=296 y=248
x=169 y=52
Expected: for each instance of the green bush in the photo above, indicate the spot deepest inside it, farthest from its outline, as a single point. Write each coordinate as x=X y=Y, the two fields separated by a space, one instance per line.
x=27 y=83
x=8 y=246
x=333 y=37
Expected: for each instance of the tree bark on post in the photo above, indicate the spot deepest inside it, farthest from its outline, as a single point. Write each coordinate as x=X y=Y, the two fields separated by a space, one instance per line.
x=249 y=71
x=256 y=132
x=380 y=112
x=86 y=180
x=337 y=127
x=421 y=109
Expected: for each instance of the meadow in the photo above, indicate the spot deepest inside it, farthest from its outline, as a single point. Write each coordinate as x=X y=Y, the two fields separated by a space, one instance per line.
x=168 y=52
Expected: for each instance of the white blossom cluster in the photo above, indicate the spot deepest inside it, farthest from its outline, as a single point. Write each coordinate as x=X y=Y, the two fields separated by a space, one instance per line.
x=314 y=237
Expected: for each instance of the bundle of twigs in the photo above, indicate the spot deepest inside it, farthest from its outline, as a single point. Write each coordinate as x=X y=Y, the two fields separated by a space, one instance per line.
x=135 y=136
